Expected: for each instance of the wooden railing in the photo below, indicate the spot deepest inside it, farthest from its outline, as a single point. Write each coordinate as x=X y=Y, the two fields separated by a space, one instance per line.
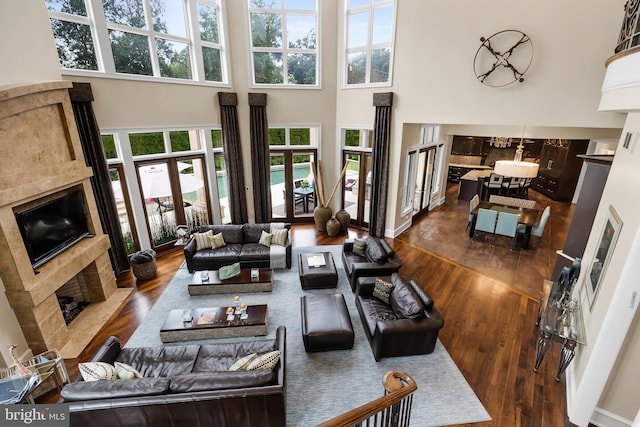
x=391 y=410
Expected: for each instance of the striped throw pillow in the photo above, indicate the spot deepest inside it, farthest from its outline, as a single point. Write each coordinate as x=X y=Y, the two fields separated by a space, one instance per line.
x=279 y=237
x=216 y=241
x=202 y=240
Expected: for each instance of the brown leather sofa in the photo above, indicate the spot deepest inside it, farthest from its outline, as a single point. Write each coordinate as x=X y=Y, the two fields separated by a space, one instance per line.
x=379 y=259
x=183 y=385
x=241 y=246
x=389 y=332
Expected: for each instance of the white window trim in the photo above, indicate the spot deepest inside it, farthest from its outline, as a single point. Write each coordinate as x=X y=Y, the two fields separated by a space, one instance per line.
x=96 y=20
x=370 y=46
x=285 y=49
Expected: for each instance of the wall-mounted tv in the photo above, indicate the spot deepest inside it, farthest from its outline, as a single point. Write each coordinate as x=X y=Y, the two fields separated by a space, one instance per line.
x=52 y=227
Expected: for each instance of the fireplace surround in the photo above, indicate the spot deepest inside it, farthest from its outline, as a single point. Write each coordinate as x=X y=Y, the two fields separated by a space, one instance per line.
x=41 y=158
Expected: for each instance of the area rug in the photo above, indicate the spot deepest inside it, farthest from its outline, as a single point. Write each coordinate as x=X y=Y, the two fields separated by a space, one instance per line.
x=323 y=385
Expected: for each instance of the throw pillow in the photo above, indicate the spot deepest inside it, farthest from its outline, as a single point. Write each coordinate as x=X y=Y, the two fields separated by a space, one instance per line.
x=265 y=361
x=202 y=240
x=359 y=246
x=126 y=372
x=382 y=290
x=94 y=371
x=265 y=238
x=279 y=237
x=404 y=301
x=375 y=251
x=242 y=363
x=216 y=241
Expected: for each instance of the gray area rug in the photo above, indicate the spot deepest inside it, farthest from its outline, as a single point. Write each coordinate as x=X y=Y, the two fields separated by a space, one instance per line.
x=325 y=384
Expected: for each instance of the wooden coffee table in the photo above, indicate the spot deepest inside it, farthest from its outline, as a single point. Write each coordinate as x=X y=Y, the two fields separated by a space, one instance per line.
x=213 y=324
x=240 y=283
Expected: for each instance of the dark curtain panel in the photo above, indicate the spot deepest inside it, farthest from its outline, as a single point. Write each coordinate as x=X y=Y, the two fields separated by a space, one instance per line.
x=381 y=137
x=260 y=156
x=81 y=99
x=233 y=157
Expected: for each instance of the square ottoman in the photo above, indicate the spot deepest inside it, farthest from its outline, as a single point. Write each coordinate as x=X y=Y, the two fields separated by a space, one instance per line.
x=317 y=271
x=326 y=324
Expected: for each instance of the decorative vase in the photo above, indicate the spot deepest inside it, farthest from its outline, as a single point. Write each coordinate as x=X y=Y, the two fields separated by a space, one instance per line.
x=333 y=227
x=343 y=218
x=321 y=215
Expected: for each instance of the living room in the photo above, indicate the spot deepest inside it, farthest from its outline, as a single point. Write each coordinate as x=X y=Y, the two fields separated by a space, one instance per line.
x=560 y=97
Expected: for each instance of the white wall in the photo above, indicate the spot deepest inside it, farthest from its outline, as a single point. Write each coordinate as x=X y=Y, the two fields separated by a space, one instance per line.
x=434 y=80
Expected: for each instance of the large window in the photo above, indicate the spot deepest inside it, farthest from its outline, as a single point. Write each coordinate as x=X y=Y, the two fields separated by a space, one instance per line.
x=140 y=37
x=369 y=41
x=160 y=180
x=284 y=42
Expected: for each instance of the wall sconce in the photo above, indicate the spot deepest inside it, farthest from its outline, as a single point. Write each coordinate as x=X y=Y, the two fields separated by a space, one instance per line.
x=500 y=142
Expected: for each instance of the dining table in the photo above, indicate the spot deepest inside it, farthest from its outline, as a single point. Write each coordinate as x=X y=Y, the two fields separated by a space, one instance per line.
x=526 y=217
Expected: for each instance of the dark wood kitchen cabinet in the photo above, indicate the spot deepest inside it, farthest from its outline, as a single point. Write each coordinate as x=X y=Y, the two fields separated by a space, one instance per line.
x=560 y=168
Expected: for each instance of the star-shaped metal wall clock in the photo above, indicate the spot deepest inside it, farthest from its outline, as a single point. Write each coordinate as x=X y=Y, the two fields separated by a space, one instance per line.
x=503 y=58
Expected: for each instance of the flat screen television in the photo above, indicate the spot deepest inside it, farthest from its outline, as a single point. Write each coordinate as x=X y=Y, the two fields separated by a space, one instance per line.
x=52 y=227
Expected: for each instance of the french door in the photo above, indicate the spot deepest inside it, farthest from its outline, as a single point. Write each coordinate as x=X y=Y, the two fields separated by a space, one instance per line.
x=292 y=186
x=174 y=192
x=356 y=191
x=123 y=204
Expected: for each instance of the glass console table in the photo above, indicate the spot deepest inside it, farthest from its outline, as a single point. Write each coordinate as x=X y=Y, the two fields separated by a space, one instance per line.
x=560 y=320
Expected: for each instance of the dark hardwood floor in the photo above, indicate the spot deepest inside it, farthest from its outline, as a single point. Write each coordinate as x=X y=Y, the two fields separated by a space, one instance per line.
x=489 y=327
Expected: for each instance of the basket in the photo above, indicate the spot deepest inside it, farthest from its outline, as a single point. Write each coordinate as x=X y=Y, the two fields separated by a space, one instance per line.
x=144 y=271
x=143 y=264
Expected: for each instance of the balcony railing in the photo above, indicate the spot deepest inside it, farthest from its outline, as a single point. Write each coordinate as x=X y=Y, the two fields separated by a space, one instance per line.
x=391 y=410
x=630 y=31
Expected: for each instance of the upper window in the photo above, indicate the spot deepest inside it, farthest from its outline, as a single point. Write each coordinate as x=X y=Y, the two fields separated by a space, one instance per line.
x=140 y=37
x=293 y=137
x=369 y=41
x=284 y=42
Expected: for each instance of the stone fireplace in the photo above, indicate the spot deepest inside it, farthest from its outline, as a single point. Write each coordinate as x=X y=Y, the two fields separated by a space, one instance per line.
x=40 y=159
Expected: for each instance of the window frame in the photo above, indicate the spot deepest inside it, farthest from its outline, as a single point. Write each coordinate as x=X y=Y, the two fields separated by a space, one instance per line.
x=370 y=46
x=284 y=50
x=100 y=27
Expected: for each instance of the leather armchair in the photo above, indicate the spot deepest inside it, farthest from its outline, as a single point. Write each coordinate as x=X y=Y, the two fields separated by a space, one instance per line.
x=381 y=262
x=390 y=335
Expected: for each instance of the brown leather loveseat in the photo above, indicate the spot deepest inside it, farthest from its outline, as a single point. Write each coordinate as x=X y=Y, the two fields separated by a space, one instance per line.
x=406 y=325
x=183 y=385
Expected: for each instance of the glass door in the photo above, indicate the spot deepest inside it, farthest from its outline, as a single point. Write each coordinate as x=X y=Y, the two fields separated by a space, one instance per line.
x=123 y=204
x=174 y=193
x=356 y=191
x=292 y=185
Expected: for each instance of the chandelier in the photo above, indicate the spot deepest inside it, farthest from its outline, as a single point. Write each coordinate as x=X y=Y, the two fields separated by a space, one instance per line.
x=500 y=142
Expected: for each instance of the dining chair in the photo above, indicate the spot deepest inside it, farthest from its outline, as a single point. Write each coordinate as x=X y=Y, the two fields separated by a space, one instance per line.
x=494 y=184
x=507 y=225
x=538 y=228
x=485 y=222
x=473 y=203
x=511 y=187
x=523 y=191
